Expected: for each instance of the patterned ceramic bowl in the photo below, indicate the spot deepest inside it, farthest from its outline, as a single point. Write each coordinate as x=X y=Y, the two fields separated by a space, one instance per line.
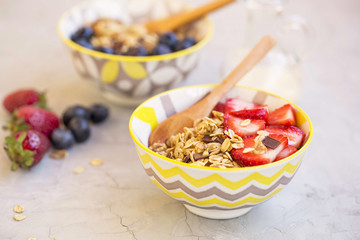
x=130 y=80
x=211 y=192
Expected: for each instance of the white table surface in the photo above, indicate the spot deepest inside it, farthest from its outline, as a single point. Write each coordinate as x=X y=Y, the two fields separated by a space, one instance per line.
x=118 y=201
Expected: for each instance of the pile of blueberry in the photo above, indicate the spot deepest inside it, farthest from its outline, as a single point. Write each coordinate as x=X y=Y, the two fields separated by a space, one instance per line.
x=168 y=43
x=77 y=128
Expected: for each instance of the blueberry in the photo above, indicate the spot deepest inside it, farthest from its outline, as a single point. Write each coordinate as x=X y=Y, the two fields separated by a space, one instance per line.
x=139 y=51
x=75 y=111
x=62 y=138
x=190 y=40
x=99 y=113
x=80 y=128
x=184 y=44
x=85 y=43
x=170 y=39
x=105 y=50
x=161 y=49
x=83 y=33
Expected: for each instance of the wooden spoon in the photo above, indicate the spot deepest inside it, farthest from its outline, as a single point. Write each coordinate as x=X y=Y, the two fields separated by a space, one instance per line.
x=186 y=118
x=177 y=20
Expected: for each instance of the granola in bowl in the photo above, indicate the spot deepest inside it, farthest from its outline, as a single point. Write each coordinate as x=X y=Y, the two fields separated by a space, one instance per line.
x=242 y=134
x=114 y=37
x=206 y=144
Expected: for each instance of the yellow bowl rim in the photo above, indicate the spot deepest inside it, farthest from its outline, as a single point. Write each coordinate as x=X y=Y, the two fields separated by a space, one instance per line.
x=164 y=57
x=137 y=141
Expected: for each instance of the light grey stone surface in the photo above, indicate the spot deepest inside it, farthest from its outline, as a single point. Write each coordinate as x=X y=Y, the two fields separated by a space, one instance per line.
x=117 y=201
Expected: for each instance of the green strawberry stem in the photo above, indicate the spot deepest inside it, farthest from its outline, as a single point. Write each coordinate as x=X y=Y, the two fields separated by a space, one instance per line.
x=16 y=124
x=21 y=157
x=42 y=103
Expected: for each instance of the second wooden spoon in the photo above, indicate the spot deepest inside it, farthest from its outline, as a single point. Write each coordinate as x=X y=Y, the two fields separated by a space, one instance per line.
x=186 y=118
x=177 y=20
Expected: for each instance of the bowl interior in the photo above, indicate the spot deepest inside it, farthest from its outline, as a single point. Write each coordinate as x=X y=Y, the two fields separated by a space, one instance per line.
x=126 y=11
x=155 y=110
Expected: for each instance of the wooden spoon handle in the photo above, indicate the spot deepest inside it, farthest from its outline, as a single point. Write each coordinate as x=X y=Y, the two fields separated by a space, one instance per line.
x=177 y=20
x=254 y=56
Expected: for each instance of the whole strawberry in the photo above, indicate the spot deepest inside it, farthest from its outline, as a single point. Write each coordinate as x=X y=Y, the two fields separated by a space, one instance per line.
x=24 y=97
x=36 y=118
x=26 y=148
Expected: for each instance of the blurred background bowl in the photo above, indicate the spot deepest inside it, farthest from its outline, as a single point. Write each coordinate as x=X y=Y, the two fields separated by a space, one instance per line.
x=213 y=192
x=129 y=80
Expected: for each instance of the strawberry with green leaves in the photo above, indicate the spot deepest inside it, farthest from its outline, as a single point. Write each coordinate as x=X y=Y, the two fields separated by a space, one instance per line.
x=26 y=148
x=31 y=117
x=24 y=97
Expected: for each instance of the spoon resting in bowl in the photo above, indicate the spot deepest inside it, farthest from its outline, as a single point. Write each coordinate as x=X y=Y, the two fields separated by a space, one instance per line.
x=173 y=22
x=186 y=118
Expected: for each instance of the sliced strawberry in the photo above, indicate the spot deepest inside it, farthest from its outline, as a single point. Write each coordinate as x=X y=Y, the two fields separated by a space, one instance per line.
x=234 y=123
x=220 y=107
x=283 y=116
x=252 y=159
x=261 y=113
x=236 y=104
x=294 y=134
x=24 y=97
x=285 y=153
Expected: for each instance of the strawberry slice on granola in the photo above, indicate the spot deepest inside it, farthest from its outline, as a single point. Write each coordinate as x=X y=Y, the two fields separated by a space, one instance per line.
x=236 y=104
x=284 y=115
x=243 y=127
x=289 y=150
x=261 y=113
x=294 y=134
x=248 y=156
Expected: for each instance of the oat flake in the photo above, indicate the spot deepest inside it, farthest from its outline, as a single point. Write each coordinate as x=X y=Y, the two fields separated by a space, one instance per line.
x=19 y=217
x=78 y=170
x=96 y=162
x=18 y=209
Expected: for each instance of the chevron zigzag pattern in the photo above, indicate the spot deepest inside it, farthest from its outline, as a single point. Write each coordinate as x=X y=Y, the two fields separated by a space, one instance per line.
x=215 y=197
x=167 y=173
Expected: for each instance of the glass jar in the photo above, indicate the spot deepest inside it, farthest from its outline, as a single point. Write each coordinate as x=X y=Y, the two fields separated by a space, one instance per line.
x=279 y=72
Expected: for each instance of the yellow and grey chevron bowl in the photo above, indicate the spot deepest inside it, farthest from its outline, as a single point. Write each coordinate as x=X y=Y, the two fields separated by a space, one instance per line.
x=129 y=80
x=211 y=192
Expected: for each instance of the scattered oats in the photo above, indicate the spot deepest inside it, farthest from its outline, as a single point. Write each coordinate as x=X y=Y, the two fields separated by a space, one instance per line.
x=78 y=170
x=246 y=150
x=31 y=238
x=96 y=162
x=59 y=154
x=18 y=209
x=19 y=217
x=245 y=122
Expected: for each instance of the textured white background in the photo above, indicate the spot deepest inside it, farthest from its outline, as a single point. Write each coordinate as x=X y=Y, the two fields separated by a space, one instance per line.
x=117 y=201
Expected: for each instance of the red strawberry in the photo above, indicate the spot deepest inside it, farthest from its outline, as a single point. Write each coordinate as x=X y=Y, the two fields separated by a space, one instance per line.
x=252 y=159
x=26 y=148
x=39 y=119
x=234 y=123
x=24 y=97
x=236 y=104
x=283 y=116
x=220 y=107
x=261 y=113
x=285 y=153
x=294 y=134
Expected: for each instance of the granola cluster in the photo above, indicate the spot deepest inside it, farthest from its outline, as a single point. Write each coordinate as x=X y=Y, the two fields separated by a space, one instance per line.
x=121 y=37
x=127 y=39
x=207 y=144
